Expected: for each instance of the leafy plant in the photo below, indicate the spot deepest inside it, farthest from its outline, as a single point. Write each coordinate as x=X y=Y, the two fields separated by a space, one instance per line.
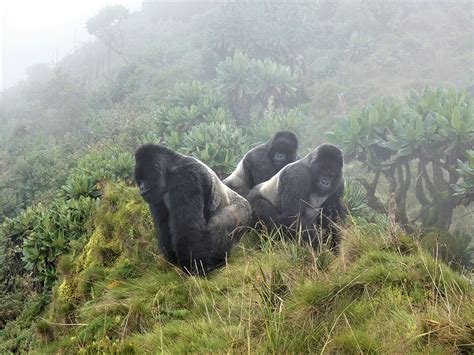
x=455 y=248
x=465 y=188
x=49 y=237
x=94 y=168
x=247 y=82
x=219 y=145
x=430 y=134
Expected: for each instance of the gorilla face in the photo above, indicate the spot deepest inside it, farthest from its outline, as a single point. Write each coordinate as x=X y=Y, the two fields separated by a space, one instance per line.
x=326 y=170
x=149 y=178
x=283 y=149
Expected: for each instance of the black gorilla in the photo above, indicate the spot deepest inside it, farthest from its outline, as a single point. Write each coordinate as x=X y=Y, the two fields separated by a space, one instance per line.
x=262 y=162
x=194 y=213
x=306 y=195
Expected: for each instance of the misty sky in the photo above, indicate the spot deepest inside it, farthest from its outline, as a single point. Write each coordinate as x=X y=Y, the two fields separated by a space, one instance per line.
x=38 y=31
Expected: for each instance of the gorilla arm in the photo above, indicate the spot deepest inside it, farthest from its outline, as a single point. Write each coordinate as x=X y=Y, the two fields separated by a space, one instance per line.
x=160 y=216
x=334 y=211
x=187 y=224
x=294 y=192
x=278 y=201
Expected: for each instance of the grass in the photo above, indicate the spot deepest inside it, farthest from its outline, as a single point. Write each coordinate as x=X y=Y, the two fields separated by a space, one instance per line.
x=383 y=293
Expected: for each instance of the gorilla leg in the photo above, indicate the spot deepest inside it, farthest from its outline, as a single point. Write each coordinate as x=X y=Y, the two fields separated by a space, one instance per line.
x=229 y=223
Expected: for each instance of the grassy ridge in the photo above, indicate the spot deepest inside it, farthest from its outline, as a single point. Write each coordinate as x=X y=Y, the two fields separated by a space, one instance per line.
x=382 y=294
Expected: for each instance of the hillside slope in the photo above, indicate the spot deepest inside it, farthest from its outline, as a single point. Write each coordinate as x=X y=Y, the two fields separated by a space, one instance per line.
x=382 y=294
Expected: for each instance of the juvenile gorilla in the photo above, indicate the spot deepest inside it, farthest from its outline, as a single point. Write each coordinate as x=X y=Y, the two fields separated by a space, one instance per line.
x=195 y=214
x=306 y=194
x=262 y=162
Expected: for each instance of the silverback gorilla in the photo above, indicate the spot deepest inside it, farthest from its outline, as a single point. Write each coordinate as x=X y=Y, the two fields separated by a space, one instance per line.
x=306 y=194
x=195 y=214
x=262 y=162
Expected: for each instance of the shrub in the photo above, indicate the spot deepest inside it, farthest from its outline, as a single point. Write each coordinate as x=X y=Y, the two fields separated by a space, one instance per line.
x=53 y=229
x=219 y=145
x=430 y=134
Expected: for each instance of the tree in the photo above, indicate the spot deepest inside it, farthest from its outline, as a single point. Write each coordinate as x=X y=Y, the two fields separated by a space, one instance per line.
x=248 y=82
x=106 y=27
x=418 y=145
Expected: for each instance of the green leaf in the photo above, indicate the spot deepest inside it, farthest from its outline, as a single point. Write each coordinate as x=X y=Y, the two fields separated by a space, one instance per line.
x=456 y=120
x=355 y=126
x=406 y=151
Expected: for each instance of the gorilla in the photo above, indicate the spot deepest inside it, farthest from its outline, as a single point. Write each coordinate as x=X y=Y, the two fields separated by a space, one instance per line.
x=196 y=216
x=262 y=162
x=306 y=195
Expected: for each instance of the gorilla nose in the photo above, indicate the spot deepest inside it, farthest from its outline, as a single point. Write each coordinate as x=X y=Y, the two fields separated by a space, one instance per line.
x=325 y=182
x=143 y=189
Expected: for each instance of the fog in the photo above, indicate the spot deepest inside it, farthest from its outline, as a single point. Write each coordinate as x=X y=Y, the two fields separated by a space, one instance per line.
x=43 y=31
x=146 y=150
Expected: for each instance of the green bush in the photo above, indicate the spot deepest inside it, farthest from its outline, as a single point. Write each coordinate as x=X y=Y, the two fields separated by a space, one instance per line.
x=465 y=188
x=430 y=134
x=50 y=235
x=95 y=168
x=295 y=120
x=219 y=145
x=455 y=248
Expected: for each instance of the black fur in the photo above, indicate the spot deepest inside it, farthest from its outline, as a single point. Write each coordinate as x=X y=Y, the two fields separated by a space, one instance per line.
x=195 y=214
x=306 y=195
x=262 y=162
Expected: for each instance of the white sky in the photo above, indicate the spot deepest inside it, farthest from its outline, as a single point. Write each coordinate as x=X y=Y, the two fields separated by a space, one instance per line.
x=36 y=31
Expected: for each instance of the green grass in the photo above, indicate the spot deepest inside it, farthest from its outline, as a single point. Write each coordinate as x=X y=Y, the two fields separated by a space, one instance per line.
x=383 y=293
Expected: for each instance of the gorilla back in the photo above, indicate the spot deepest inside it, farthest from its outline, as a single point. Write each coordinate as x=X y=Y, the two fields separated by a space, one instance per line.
x=196 y=216
x=262 y=162
x=306 y=195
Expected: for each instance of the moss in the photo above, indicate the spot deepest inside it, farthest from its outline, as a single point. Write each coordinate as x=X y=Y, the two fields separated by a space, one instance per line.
x=66 y=297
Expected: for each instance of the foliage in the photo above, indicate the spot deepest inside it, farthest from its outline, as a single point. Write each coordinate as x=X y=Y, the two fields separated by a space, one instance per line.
x=218 y=145
x=430 y=134
x=117 y=295
x=268 y=297
x=188 y=105
x=94 y=168
x=455 y=249
x=247 y=82
x=52 y=234
x=358 y=46
x=295 y=120
x=32 y=175
x=106 y=26
x=465 y=188
x=266 y=29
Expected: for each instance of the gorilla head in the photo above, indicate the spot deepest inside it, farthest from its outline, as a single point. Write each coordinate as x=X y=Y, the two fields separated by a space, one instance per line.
x=283 y=148
x=326 y=169
x=149 y=174
x=263 y=161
